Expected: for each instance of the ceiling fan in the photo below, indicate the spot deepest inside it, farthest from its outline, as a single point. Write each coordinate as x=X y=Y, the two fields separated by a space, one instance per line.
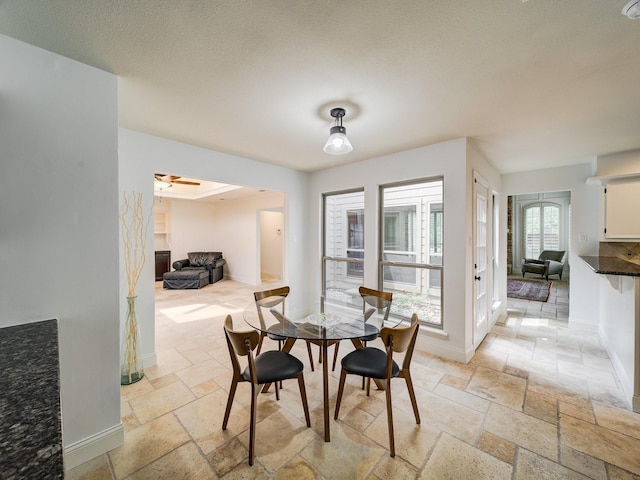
x=171 y=179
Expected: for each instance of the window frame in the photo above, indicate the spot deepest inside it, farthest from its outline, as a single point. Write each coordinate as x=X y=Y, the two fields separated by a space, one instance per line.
x=422 y=267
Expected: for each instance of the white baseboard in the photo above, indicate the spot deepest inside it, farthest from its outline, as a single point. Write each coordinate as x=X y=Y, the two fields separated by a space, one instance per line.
x=426 y=343
x=79 y=452
x=621 y=373
x=149 y=360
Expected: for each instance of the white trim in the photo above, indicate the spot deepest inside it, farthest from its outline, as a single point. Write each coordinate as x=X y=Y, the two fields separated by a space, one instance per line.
x=93 y=446
x=434 y=332
x=149 y=360
x=435 y=347
x=621 y=374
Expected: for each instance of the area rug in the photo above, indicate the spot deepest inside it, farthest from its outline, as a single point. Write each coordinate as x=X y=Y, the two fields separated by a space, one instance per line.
x=537 y=290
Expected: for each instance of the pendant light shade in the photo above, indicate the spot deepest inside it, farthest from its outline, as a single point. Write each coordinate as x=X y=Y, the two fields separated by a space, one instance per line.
x=632 y=9
x=338 y=143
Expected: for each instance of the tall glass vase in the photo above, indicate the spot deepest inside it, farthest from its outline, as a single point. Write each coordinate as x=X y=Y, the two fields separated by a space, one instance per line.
x=131 y=366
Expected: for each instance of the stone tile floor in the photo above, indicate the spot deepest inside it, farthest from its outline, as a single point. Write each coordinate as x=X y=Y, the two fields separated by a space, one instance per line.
x=538 y=401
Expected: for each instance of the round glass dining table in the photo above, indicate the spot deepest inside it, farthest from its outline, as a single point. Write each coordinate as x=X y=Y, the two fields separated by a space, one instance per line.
x=322 y=318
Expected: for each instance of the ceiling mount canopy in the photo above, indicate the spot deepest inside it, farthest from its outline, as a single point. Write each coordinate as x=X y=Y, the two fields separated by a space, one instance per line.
x=338 y=143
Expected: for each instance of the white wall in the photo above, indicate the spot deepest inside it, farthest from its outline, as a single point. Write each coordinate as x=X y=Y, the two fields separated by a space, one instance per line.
x=238 y=223
x=618 y=325
x=193 y=228
x=270 y=235
x=59 y=229
x=448 y=159
x=584 y=230
x=141 y=155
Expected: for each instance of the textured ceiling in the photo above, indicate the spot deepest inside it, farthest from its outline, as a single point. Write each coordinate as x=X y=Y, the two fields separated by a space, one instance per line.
x=535 y=84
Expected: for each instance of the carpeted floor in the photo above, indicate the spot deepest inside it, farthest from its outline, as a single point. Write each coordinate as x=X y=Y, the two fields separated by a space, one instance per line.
x=527 y=289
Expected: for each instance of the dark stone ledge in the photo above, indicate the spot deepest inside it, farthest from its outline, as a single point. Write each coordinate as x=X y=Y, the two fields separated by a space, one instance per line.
x=30 y=418
x=611 y=266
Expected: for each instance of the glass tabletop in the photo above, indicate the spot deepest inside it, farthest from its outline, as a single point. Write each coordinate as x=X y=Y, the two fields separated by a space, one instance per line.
x=327 y=315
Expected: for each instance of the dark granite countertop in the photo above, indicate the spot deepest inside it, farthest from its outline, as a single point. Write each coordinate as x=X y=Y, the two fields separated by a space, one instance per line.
x=611 y=265
x=30 y=419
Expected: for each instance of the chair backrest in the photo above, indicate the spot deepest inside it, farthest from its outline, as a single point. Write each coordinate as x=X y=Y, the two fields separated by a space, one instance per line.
x=376 y=299
x=270 y=299
x=555 y=255
x=401 y=339
x=241 y=344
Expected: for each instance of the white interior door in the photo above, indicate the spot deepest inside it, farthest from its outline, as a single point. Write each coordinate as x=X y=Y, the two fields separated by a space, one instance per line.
x=481 y=255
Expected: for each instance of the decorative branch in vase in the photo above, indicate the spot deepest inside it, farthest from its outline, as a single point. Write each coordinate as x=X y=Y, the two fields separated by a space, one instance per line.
x=134 y=229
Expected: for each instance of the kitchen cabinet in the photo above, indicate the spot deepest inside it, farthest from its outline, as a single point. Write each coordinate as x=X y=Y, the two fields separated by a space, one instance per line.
x=163 y=263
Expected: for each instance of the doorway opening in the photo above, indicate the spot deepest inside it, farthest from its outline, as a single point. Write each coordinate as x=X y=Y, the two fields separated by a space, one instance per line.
x=535 y=223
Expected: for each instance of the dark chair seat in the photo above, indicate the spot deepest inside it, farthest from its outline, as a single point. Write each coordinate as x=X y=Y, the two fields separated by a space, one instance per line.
x=274 y=365
x=369 y=362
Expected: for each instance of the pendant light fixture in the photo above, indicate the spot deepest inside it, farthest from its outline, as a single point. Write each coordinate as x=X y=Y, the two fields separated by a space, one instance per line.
x=632 y=9
x=338 y=143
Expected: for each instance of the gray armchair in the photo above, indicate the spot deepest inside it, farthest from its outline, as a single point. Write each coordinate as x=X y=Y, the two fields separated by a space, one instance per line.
x=550 y=262
x=211 y=261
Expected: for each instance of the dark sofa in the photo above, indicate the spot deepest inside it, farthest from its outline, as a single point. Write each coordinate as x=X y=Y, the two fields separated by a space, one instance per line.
x=211 y=261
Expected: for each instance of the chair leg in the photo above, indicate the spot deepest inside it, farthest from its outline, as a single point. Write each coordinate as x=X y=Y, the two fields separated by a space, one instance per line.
x=364 y=345
x=343 y=376
x=392 y=445
x=279 y=349
x=310 y=355
x=262 y=335
x=278 y=389
x=303 y=395
x=252 y=426
x=412 y=396
x=335 y=356
x=232 y=393
x=368 y=385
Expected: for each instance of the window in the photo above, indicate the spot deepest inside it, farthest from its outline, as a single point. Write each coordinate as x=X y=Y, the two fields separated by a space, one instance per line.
x=411 y=248
x=541 y=228
x=343 y=240
x=435 y=229
x=399 y=228
x=355 y=249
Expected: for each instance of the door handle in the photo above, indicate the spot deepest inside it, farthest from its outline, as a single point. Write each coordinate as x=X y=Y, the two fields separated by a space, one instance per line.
x=477 y=277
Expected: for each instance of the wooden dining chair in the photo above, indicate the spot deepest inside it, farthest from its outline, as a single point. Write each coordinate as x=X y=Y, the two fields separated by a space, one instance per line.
x=373 y=300
x=269 y=367
x=279 y=296
x=372 y=362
